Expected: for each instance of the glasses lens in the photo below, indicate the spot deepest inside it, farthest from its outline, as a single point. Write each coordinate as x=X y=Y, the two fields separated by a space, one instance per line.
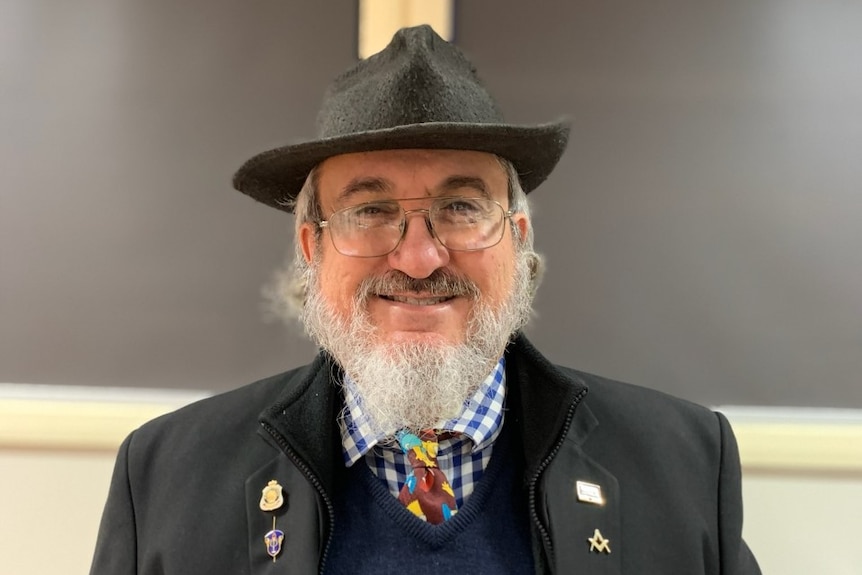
x=467 y=223
x=367 y=230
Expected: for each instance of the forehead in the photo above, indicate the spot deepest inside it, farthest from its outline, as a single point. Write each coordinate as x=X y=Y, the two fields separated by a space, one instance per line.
x=410 y=174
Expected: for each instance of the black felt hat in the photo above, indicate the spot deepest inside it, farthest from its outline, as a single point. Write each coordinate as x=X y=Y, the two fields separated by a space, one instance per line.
x=418 y=92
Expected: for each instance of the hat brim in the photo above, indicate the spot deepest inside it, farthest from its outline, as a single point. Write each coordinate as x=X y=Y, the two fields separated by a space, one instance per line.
x=276 y=176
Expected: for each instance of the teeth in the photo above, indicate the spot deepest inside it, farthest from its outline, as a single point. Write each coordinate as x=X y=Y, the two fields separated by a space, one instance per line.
x=417 y=301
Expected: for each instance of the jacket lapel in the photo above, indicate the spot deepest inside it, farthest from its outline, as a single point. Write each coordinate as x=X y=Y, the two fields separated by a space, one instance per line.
x=298 y=518
x=586 y=533
x=300 y=425
x=554 y=425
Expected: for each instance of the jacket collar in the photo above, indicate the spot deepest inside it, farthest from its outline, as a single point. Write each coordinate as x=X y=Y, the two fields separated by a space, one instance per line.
x=555 y=424
x=543 y=402
x=302 y=421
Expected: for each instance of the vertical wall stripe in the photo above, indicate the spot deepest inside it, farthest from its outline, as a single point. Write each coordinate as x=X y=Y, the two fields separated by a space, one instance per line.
x=379 y=19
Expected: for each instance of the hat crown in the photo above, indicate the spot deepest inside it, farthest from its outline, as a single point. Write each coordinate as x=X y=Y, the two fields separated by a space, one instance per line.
x=420 y=92
x=418 y=78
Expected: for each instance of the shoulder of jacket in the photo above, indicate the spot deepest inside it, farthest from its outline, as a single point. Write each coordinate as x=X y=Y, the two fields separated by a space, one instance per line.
x=222 y=413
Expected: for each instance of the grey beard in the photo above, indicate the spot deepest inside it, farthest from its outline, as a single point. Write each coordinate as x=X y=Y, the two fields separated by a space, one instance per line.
x=416 y=385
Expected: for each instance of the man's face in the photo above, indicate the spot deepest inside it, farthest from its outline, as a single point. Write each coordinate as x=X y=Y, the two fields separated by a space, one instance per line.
x=403 y=316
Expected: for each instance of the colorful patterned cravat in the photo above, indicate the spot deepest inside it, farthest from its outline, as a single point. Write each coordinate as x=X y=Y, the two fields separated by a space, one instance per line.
x=426 y=493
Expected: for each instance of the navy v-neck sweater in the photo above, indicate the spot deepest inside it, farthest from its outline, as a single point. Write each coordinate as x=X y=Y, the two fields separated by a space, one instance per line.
x=374 y=533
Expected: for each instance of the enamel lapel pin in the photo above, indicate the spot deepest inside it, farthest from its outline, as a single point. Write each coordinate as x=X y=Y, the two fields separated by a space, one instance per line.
x=271 y=499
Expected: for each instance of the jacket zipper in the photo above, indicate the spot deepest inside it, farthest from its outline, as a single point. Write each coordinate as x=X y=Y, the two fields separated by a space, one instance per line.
x=546 y=538
x=300 y=464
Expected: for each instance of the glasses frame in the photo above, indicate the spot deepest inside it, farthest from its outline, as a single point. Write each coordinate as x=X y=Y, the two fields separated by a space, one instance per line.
x=507 y=215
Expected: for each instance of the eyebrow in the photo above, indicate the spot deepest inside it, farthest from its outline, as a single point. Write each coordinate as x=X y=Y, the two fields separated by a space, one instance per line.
x=453 y=183
x=367 y=184
x=379 y=185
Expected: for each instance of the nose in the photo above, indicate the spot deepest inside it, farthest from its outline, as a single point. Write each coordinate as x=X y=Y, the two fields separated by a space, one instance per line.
x=419 y=254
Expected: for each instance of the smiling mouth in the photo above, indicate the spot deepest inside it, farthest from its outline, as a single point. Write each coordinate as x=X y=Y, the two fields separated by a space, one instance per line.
x=416 y=300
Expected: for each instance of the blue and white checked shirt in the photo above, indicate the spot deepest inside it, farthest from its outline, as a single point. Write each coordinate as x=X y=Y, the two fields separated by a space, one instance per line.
x=463 y=459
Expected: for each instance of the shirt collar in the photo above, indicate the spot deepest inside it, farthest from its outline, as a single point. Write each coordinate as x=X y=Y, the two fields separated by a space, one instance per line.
x=479 y=420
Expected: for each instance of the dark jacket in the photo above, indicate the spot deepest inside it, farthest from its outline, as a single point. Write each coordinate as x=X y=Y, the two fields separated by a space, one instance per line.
x=186 y=488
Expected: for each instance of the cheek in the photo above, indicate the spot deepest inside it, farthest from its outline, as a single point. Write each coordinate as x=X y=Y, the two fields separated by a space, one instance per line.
x=340 y=278
x=492 y=271
x=503 y=284
x=331 y=284
x=339 y=288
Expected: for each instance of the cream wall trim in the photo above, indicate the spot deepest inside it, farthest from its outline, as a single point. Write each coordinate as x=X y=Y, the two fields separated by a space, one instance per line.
x=79 y=418
x=380 y=19
x=798 y=439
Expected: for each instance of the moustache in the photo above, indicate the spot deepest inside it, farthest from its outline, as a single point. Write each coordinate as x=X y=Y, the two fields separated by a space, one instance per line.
x=441 y=283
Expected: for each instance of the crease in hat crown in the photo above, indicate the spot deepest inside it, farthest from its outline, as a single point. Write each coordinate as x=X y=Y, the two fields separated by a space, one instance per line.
x=418 y=78
x=418 y=92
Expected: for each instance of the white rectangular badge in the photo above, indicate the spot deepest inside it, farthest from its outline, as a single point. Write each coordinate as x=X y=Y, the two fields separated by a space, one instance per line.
x=589 y=493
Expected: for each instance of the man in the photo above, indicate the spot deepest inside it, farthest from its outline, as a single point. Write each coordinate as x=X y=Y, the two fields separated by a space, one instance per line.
x=428 y=434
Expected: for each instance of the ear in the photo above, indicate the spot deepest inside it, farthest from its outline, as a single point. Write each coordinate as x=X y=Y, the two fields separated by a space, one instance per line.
x=522 y=223
x=308 y=241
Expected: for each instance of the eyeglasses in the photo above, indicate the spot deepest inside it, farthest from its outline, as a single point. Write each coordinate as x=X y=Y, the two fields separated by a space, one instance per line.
x=375 y=229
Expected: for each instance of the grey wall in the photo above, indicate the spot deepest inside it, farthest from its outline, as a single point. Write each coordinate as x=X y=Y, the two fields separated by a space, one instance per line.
x=701 y=231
